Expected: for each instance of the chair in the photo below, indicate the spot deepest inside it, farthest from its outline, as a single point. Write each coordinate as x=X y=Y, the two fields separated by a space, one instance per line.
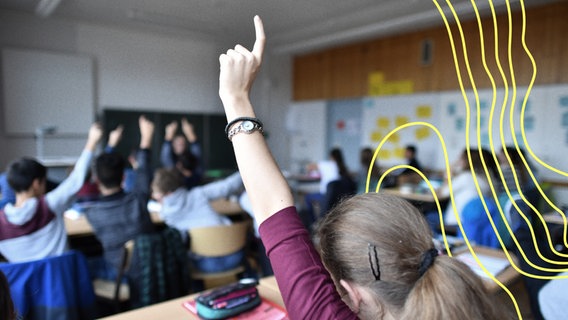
x=159 y=269
x=116 y=291
x=219 y=241
x=57 y=287
x=335 y=191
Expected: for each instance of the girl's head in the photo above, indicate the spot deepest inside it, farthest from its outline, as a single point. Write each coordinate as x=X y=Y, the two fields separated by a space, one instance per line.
x=378 y=250
x=337 y=155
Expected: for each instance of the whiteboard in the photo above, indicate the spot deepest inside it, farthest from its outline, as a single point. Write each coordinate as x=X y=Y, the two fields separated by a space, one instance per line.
x=47 y=89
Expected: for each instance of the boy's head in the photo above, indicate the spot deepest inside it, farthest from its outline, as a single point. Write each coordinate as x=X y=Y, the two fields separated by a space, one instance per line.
x=410 y=152
x=109 y=169
x=22 y=174
x=165 y=181
x=179 y=144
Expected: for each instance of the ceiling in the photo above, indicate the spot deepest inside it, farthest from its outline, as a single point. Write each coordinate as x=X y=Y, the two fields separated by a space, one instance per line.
x=292 y=26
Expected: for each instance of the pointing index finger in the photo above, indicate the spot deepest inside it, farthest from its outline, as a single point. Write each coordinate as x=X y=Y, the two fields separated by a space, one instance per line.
x=258 y=48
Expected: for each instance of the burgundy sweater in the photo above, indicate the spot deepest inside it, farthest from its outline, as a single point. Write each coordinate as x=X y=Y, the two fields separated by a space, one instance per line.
x=306 y=286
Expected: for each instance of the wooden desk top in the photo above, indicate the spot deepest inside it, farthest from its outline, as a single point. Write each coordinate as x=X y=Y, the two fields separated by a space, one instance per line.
x=553 y=217
x=81 y=227
x=173 y=310
x=423 y=197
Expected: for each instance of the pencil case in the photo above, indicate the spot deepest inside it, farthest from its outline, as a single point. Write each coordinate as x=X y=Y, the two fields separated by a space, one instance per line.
x=229 y=300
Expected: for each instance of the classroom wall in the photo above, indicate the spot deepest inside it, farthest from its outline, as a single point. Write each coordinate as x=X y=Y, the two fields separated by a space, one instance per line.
x=136 y=70
x=395 y=61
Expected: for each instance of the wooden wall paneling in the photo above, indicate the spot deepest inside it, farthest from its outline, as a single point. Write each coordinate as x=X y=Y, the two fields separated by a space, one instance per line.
x=312 y=76
x=334 y=73
x=347 y=77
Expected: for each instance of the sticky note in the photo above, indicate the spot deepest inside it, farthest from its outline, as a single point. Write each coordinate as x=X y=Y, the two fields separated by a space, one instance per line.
x=399 y=152
x=563 y=101
x=421 y=133
x=424 y=111
x=384 y=154
x=451 y=109
x=376 y=136
x=395 y=138
x=376 y=80
x=383 y=122
x=401 y=120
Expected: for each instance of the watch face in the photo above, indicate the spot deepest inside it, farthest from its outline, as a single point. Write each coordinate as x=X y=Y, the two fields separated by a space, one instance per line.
x=248 y=125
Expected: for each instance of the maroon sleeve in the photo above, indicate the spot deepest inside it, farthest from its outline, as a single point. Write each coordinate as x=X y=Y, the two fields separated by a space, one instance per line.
x=306 y=286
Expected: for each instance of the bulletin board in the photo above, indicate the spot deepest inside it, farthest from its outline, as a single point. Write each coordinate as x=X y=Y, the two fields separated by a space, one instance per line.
x=545 y=134
x=373 y=118
x=47 y=89
x=383 y=115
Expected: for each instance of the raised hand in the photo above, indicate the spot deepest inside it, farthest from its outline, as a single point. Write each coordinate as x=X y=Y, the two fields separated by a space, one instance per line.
x=146 y=132
x=115 y=136
x=95 y=135
x=188 y=131
x=171 y=130
x=239 y=68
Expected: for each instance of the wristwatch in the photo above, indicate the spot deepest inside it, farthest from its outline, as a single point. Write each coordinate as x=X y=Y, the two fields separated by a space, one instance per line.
x=246 y=126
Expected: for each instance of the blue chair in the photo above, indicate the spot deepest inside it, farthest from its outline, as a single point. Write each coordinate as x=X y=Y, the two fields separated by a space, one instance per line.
x=54 y=288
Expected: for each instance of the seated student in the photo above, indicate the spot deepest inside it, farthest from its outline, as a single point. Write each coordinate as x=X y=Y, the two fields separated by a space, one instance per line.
x=518 y=167
x=176 y=152
x=119 y=216
x=377 y=250
x=33 y=227
x=330 y=170
x=408 y=175
x=184 y=209
x=365 y=157
x=89 y=192
x=464 y=188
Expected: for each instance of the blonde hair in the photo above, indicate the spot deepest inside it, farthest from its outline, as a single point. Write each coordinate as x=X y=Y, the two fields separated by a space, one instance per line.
x=376 y=233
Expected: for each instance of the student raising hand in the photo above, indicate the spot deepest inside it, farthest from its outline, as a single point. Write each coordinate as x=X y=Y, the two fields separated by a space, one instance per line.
x=239 y=68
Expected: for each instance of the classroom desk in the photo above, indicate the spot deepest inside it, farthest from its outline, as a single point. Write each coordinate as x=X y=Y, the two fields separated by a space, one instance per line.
x=507 y=277
x=411 y=196
x=80 y=227
x=553 y=218
x=173 y=310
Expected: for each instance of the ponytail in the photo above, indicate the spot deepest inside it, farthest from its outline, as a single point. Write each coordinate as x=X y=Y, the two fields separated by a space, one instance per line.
x=448 y=289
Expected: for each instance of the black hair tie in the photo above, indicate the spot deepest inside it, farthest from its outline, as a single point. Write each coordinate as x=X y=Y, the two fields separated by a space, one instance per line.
x=427 y=260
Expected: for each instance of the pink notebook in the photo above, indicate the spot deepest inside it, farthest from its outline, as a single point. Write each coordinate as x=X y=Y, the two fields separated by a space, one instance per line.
x=267 y=310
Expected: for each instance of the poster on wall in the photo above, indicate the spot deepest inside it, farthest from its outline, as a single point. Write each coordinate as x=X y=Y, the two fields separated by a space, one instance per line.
x=398 y=121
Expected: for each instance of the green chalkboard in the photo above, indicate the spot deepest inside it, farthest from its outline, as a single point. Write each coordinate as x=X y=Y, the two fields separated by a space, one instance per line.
x=218 y=153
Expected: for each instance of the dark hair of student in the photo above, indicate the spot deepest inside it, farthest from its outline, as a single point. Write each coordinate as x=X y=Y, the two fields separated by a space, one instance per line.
x=23 y=172
x=109 y=169
x=383 y=243
x=517 y=163
x=337 y=155
x=411 y=148
x=7 y=310
x=366 y=156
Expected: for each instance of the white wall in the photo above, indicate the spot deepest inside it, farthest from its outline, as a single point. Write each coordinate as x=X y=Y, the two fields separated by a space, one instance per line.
x=142 y=71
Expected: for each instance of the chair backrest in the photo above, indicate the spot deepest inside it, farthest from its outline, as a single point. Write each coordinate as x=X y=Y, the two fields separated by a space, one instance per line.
x=57 y=287
x=159 y=268
x=125 y=265
x=219 y=240
x=336 y=190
